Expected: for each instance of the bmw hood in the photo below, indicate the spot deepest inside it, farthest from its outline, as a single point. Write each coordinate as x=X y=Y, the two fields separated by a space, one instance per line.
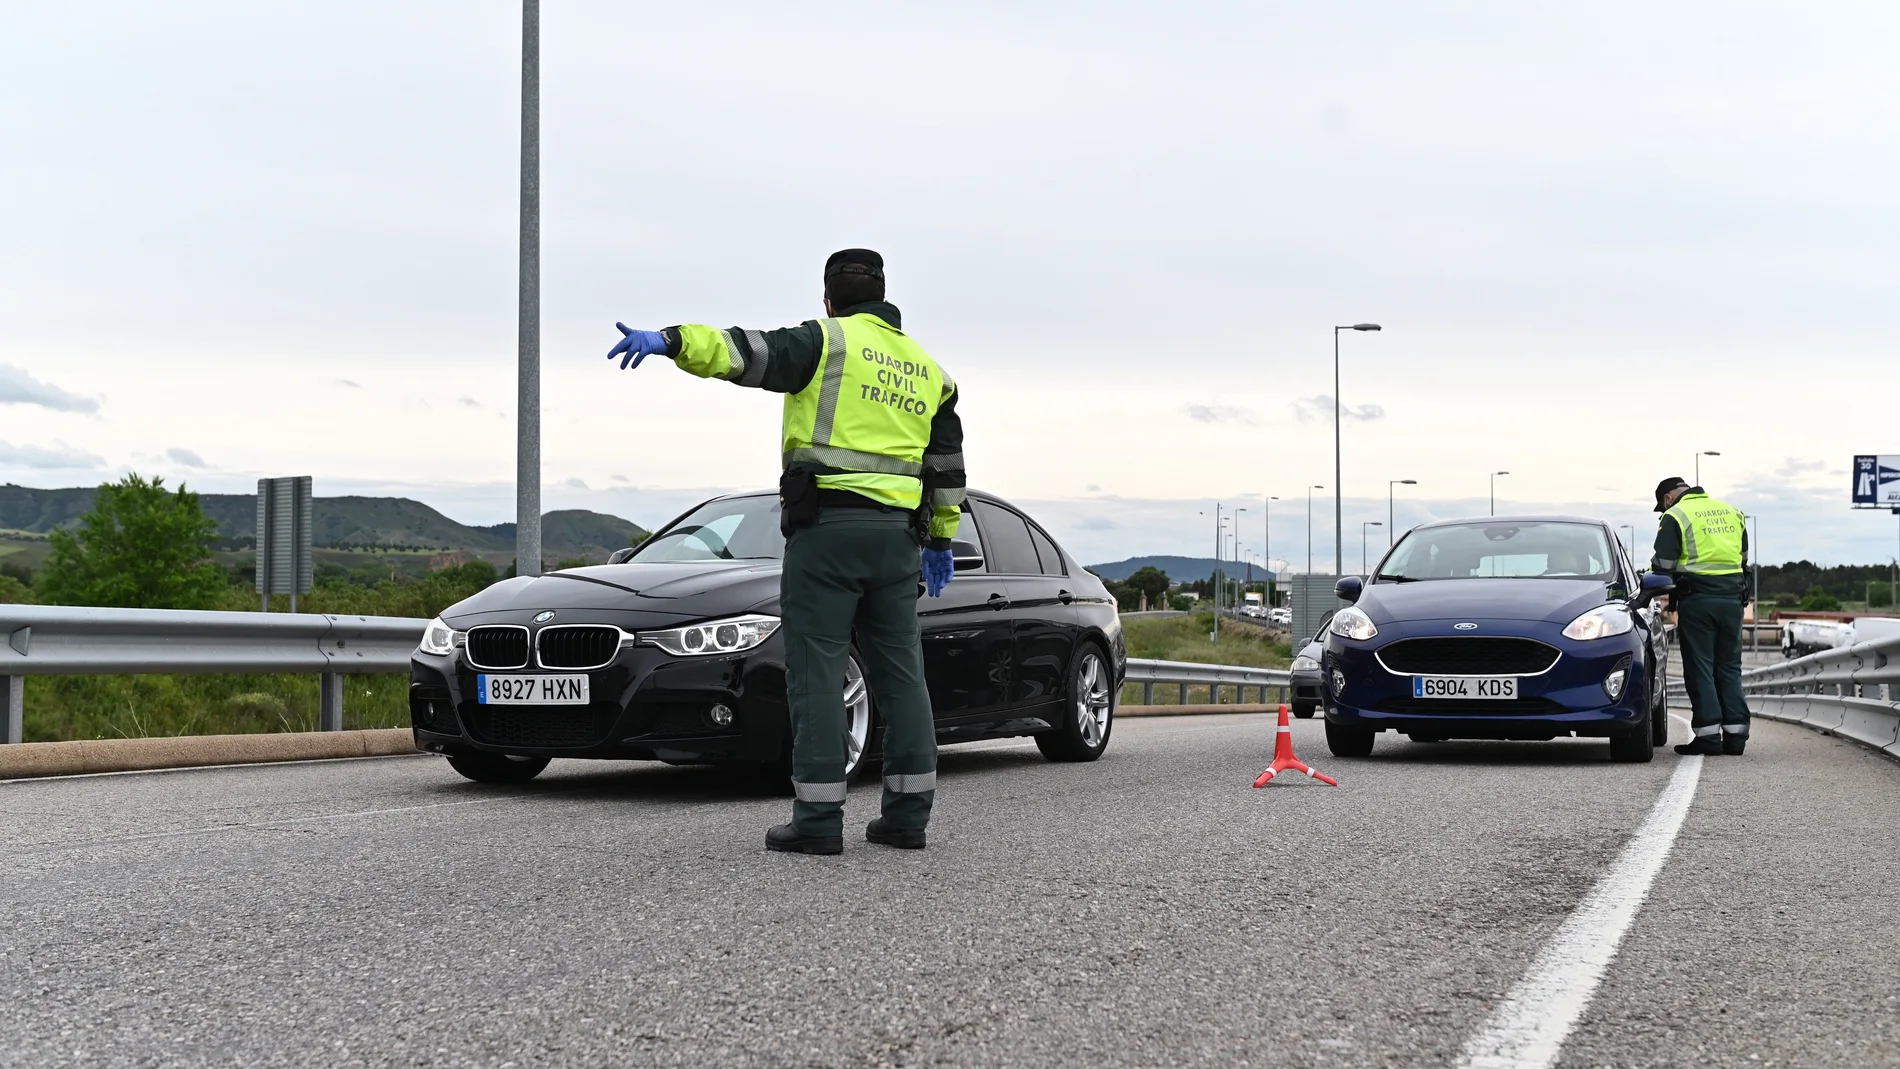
x=686 y=591
x=1556 y=601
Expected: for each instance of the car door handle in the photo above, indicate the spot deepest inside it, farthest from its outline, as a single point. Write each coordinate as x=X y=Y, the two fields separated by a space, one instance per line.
x=998 y=601
x=1064 y=597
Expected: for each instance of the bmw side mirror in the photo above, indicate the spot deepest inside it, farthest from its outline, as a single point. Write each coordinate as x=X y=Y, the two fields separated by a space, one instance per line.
x=619 y=556
x=1350 y=588
x=964 y=556
x=1652 y=586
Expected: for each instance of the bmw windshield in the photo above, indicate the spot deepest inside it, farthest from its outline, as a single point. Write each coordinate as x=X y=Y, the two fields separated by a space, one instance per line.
x=1496 y=550
x=733 y=528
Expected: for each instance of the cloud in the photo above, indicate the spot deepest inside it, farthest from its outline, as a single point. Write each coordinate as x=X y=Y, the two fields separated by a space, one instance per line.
x=1220 y=414
x=621 y=479
x=58 y=456
x=186 y=458
x=19 y=388
x=1795 y=467
x=1319 y=407
x=574 y=483
x=468 y=402
x=351 y=385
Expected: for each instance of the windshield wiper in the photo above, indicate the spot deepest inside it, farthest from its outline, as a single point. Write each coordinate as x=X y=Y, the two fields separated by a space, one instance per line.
x=1400 y=578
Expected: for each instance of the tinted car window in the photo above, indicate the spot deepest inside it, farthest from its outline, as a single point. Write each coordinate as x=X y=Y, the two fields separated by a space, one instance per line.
x=1006 y=538
x=736 y=528
x=967 y=532
x=1047 y=552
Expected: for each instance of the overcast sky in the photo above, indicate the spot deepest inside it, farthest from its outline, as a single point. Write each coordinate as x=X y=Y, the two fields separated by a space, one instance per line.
x=279 y=238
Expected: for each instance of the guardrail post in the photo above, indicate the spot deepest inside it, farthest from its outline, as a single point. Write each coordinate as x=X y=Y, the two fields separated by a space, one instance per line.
x=1184 y=688
x=12 y=709
x=1147 y=692
x=330 y=702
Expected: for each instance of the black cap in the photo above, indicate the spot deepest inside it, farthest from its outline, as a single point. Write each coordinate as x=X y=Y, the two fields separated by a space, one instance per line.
x=855 y=262
x=1674 y=482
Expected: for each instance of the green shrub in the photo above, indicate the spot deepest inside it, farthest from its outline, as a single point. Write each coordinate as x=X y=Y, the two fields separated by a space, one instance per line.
x=1818 y=600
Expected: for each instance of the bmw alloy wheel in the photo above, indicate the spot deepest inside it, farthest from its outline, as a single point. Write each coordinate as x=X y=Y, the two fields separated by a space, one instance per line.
x=1092 y=707
x=857 y=717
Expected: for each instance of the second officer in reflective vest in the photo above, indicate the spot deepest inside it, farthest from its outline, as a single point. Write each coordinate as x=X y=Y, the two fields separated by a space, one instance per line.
x=870 y=497
x=1703 y=543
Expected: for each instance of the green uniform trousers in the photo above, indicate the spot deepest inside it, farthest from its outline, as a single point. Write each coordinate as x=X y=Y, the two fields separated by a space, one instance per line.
x=855 y=572
x=1709 y=632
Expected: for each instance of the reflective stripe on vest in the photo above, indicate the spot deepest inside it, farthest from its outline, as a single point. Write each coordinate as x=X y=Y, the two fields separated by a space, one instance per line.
x=864 y=418
x=1711 y=535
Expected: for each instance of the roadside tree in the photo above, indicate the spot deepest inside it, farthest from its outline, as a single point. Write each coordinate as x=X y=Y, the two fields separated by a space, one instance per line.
x=141 y=547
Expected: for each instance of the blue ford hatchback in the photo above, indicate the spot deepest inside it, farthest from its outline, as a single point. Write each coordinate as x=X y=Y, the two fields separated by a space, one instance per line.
x=1499 y=628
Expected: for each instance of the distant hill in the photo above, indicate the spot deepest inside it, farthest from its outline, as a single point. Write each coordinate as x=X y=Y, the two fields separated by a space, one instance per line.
x=1179 y=569
x=348 y=523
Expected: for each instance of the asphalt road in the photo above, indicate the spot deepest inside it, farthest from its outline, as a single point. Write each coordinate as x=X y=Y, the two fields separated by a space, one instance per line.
x=1150 y=909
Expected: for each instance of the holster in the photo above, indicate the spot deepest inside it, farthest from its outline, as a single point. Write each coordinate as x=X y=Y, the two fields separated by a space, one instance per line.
x=797 y=500
x=920 y=523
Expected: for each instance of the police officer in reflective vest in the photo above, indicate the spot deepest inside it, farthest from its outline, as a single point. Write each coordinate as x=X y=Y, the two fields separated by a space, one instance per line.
x=1703 y=543
x=873 y=471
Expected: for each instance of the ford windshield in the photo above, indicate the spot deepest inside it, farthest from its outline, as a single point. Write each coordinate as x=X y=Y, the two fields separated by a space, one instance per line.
x=1545 y=550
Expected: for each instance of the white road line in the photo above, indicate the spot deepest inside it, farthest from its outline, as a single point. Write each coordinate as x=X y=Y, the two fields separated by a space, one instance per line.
x=1528 y=1028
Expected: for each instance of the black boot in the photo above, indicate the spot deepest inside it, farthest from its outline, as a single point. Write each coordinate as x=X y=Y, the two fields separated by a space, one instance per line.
x=880 y=832
x=1706 y=745
x=1733 y=745
x=788 y=839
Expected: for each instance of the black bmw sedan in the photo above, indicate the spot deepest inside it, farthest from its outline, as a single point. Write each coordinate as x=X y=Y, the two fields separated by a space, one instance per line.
x=673 y=653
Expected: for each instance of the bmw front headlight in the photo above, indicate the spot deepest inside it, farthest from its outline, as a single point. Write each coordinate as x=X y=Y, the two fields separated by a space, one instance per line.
x=1600 y=622
x=1303 y=663
x=1353 y=623
x=732 y=635
x=438 y=638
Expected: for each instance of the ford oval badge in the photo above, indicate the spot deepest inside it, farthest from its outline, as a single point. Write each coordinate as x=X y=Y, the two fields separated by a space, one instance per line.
x=1454 y=627
x=543 y=618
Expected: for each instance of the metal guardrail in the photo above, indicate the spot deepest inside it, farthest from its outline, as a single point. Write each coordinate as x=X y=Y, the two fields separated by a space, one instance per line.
x=57 y=640
x=1853 y=691
x=54 y=640
x=1187 y=674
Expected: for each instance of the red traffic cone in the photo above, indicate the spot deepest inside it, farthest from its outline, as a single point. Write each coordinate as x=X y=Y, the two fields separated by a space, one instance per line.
x=1283 y=759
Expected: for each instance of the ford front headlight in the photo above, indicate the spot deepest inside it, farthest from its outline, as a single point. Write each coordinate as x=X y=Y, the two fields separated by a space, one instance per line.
x=732 y=635
x=1303 y=663
x=1353 y=623
x=1600 y=622
x=438 y=638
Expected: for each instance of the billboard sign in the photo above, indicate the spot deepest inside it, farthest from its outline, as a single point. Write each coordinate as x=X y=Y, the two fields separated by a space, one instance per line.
x=1876 y=481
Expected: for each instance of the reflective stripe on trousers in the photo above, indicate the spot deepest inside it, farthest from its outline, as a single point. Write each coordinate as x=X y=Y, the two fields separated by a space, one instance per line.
x=818 y=792
x=915 y=783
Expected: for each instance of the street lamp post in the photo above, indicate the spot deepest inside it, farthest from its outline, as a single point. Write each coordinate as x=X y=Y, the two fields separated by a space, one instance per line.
x=1215 y=584
x=1698 y=463
x=1362 y=543
x=1631 y=528
x=1494 y=490
x=1391 y=524
x=1309 y=525
x=1339 y=515
x=528 y=305
x=1266 y=547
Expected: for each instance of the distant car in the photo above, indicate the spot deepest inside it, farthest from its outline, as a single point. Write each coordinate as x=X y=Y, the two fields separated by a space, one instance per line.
x=1499 y=628
x=1305 y=672
x=1280 y=615
x=675 y=654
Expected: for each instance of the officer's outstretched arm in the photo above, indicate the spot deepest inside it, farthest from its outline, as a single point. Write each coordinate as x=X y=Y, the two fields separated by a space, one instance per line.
x=782 y=361
x=944 y=477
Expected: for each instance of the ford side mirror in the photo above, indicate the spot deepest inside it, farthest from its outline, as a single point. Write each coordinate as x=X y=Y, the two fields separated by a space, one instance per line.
x=1652 y=586
x=619 y=556
x=965 y=556
x=1350 y=588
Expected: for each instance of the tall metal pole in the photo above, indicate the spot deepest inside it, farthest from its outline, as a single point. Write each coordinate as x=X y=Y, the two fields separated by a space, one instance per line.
x=1216 y=576
x=528 y=334
x=1339 y=515
x=1266 y=547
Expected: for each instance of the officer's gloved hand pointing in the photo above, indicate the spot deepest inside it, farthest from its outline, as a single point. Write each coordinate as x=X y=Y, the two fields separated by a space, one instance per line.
x=938 y=568
x=637 y=345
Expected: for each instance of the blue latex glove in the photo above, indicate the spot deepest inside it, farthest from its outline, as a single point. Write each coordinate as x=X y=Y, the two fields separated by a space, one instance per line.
x=637 y=345
x=938 y=568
